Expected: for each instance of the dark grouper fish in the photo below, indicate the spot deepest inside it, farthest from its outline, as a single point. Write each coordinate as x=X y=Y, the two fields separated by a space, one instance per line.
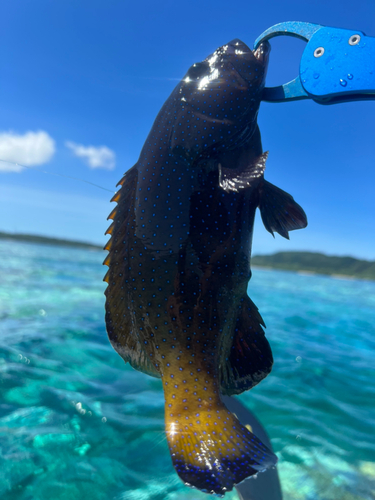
x=179 y=263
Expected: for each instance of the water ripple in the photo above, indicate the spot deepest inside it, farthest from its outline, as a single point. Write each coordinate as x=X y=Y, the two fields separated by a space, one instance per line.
x=76 y=422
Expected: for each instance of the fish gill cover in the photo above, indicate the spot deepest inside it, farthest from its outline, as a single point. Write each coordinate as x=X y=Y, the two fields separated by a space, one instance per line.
x=179 y=263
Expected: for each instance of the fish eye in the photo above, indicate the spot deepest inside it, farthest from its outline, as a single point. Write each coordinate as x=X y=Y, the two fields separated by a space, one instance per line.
x=198 y=69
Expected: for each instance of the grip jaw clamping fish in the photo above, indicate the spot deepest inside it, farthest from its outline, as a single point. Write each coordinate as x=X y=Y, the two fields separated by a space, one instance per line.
x=337 y=64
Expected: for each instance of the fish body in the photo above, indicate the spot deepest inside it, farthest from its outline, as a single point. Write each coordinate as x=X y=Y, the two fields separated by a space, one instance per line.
x=179 y=263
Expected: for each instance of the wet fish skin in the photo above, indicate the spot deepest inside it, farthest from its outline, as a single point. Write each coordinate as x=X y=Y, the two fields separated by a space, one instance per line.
x=179 y=263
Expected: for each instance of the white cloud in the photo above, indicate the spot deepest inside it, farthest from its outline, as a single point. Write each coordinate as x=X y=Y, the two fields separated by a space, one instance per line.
x=29 y=149
x=100 y=157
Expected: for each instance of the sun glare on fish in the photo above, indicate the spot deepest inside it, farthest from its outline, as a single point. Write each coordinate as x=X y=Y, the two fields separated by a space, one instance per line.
x=213 y=59
x=207 y=79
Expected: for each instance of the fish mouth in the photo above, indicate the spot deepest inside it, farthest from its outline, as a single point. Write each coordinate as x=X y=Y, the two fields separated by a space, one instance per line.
x=262 y=52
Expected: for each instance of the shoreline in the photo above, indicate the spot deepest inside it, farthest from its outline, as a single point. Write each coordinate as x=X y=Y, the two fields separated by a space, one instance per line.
x=307 y=263
x=302 y=272
x=299 y=262
x=46 y=240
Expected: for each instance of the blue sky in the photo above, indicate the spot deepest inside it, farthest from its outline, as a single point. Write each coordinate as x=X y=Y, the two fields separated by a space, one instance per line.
x=82 y=82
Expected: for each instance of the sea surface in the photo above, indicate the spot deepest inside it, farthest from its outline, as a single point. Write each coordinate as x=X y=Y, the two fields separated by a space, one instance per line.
x=76 y=422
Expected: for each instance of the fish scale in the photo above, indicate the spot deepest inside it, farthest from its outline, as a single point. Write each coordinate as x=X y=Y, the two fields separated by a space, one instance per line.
x=179 y=263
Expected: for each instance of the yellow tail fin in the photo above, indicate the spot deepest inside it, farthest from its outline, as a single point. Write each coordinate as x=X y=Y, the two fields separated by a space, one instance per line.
x=212 y=451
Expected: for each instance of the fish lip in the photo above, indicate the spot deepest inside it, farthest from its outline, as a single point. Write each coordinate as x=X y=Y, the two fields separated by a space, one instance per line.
x=262 y=52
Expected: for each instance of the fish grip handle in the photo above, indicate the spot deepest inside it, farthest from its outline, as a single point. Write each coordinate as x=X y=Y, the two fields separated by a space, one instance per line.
x=337 y=65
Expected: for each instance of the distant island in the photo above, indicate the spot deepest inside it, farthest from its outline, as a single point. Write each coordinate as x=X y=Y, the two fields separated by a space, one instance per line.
x=308 y=262
x=317 y=263
x=32 y=238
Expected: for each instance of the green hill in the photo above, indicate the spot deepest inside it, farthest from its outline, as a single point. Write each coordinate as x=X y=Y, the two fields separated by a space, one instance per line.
x=317 y=263
x=312 y=262
x=31 y=238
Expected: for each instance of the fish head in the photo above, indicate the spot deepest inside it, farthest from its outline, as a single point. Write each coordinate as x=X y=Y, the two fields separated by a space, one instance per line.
x=237 y=57
x=219 y=98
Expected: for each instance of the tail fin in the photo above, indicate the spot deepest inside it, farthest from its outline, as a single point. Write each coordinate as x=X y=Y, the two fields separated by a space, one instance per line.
x=212 y=451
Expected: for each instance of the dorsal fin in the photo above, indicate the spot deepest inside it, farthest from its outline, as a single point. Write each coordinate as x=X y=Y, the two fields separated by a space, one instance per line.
x=106 y=277
x=108 y=245
x=116 y=196
x=123 y=334
x=112 y=215
x=110 y=229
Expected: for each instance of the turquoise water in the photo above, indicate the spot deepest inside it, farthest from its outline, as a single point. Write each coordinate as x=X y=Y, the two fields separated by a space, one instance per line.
x=75 y=422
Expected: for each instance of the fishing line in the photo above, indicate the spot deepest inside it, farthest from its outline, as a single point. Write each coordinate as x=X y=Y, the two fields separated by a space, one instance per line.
x=59 y=175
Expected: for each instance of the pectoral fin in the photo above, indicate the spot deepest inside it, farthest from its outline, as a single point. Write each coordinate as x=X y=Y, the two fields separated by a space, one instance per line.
x=240 y=178
x=279 y=211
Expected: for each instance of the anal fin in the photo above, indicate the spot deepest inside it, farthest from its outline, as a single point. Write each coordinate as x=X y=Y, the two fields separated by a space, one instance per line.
x=279 y=211
x=250 y=357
